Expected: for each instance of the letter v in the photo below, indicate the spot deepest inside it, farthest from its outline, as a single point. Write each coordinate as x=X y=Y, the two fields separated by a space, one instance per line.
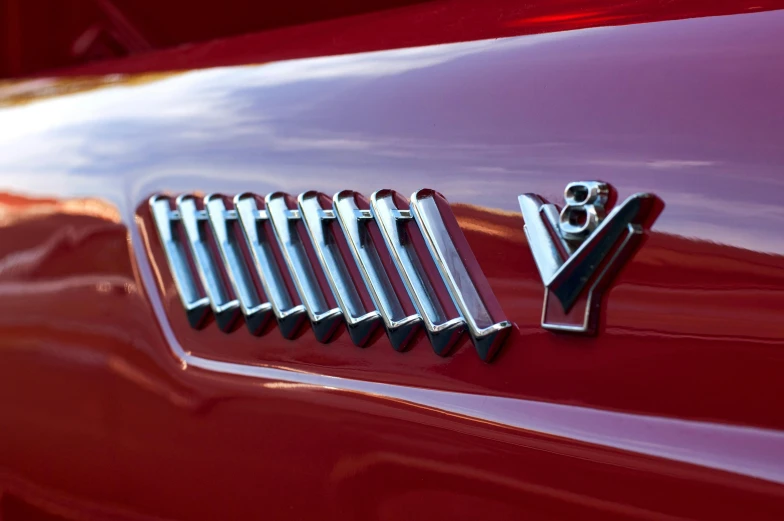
x=567 y=272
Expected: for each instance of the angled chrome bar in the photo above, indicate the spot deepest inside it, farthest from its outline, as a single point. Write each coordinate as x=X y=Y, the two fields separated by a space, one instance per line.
x=196 y=306
x=256 y=312
x=540 y=237
x=323 y=319
x=400 y=328
x=360 y=322
x=289 y=315
x=567 y=278
x=552 y=217
x=623 y=221
x=441 y=241
x=227 y=285
x=578 y=257
x=224 y=307
x=442 y=331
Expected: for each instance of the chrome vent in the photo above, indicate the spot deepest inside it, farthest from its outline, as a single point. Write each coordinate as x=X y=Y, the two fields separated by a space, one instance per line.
x=238 y=258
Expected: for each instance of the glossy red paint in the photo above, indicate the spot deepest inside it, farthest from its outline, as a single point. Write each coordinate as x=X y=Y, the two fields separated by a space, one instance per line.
x=39 y=35
x=113 y=407
x=130 y=36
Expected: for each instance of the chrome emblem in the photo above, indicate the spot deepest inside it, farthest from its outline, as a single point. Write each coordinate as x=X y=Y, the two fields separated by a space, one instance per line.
x=581 y=248
x=281 y=241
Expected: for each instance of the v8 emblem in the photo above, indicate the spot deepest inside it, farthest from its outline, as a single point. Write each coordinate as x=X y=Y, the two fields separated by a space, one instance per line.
x=580 y=249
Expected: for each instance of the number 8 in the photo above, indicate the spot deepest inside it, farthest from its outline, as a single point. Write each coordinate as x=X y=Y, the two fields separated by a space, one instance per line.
x=584 y=209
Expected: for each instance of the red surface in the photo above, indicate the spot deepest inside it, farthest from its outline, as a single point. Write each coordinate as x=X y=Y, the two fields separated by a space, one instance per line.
x=111 y=36
x=40 y=35
x=113 y=408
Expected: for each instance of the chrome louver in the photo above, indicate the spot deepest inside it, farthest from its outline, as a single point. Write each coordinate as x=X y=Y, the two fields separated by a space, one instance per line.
x=217 y=248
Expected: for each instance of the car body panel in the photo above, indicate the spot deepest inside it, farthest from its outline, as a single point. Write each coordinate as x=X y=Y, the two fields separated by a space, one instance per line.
x=114 y=407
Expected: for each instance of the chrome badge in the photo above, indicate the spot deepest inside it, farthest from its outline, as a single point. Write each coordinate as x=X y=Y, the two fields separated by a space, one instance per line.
x=236 y=258
x=580 y=249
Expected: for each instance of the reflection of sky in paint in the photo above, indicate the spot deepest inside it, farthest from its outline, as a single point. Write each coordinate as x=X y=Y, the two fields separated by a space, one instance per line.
x=686 y=109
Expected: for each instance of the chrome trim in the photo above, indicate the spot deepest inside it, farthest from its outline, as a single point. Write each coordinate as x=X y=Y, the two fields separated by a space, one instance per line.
x=537 y=214
x=361 y=323
x=568 y=266
x=444 y=332
x=323 y=319
x=451 y=263
x=196 y=305
x=400 y=328
x=585 y=199
x=573 y=276
x=227 y=273
x=256 y=312
x=224 y=306
x=289 y=315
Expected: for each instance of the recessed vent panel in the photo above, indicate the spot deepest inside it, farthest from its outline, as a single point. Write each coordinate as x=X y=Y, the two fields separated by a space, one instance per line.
x=217 y=247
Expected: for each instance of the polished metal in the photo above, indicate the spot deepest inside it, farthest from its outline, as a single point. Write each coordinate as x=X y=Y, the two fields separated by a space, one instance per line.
x=486 y=333
x=360 y=322
x=256 y=312
x=584 y=208
x=290 y=315
x=401 y=328
x=225 y=307
x=435 y=286
x=196 y=304
x=324 y=318
x=574 y=266
x=443 y=331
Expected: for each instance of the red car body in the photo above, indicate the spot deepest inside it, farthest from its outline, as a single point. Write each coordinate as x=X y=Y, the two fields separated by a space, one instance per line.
x=113 y=407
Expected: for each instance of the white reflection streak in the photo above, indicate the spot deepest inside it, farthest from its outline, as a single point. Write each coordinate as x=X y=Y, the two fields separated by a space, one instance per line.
x=195 y=96
x=381 y=63
x=45 y=144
